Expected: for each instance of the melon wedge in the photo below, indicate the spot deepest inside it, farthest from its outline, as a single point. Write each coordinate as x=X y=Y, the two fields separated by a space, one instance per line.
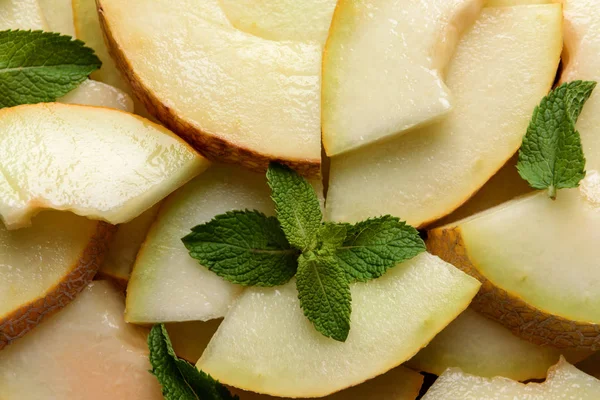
x=42 y=268
x=478 y=345
x=86 y=351
x=423 y=176
x=59 y=15
x=96 y=162
x=266 y=344
x=564 y=382
x=548 y=297
x=509 y=3
x=94 y=93
x=236 y=97
x=383 y=66
x=301 y=21
x=124 y=247
x=21 y=14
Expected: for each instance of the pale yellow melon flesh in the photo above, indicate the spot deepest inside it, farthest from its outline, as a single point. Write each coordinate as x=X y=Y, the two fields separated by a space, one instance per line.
x=96 y=162
x=510 y=3
x=581 y=60
x=42 y=268
x=21 y=14
x=59 y=15
x=423 y=176
x=86 y=351
x=538 y=263
x=236 y=97
x=480 y=346
x=94 y=93
x=124 y=247
x=564 y=382
x=267 y=345
x=383 y=67
x=301 y=21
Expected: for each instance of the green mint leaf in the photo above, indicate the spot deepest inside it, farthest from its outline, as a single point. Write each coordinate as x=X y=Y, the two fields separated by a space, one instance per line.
x=244 y=247
x=179 y=379
x=551 y=156
x=330 y=236
x=41 y=66
x=375 y=245
x=324 y=294
x=297 y=205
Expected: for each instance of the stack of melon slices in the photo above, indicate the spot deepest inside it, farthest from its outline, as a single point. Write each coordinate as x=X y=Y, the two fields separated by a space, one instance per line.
x=493 y=304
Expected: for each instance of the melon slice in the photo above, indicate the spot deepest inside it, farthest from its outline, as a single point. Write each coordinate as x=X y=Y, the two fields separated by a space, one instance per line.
x=97 y=162
x=564 y=382
x=423 y=176
x=86 y=351
x=236 y=97
x=43 y=267
x=510 y=3
x=478 y=345
x=383 y=67
x=266 y=344
x=59 y=15
x=548 y=297
x=21 y=14
x=94 y=93
x=124 y=247
x=302 y=21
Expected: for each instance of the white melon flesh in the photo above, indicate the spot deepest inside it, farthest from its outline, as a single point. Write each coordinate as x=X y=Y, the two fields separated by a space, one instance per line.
x=42 y=268
x=267 y=345
x=168 y=285
x=237 y=97
x=478 y=345
x=510 y=3
x=581 y=60
x=93 y=93
x=383 y=67
x=96 y=162
x=86 y=352
x=301 y=21
x=564 y=382
x=425 y=175
x=538 y=261
x=59 y=15
x=21 y=14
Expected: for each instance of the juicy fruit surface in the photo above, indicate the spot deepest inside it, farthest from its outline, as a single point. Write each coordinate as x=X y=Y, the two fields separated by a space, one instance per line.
x=21 y=14
x=480 y=346
x=370 y=94
x=301 y=21
x=59 y=15
x=86 y=351
x=281 y=354
x=98 y=94
x=96 y=162
x=239 y=97
x=166 y=283
x=423 y=176
x=564 y=382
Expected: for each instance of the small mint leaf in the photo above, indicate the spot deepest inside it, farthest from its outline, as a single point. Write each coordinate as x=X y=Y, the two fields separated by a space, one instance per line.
x=375 y=245
x=330 y=236
x=324 y=295
x=551 y=156
x=41 y=66
x=297 y=205
x=244 y=247
x=179 y=379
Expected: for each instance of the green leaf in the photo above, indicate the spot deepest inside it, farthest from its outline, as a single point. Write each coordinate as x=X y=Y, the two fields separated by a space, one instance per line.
x=244 y=247
x=324 y=294
x=297 y=205
x=375 y=245
x=179 y=379
x=41 y=66
x=551 y=156
x=330 y=236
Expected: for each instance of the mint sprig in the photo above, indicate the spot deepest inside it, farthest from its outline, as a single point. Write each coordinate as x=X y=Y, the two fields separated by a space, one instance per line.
x=179 y=379
x=38 y=66
x=251 y=249
x=551 y=156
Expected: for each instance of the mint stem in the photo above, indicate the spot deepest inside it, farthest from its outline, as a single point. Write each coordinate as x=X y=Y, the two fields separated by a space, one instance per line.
x=552 y=192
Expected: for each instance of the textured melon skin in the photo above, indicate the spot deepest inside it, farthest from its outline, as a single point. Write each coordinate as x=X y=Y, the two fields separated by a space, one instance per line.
x=18 y=323
x=521 y=318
